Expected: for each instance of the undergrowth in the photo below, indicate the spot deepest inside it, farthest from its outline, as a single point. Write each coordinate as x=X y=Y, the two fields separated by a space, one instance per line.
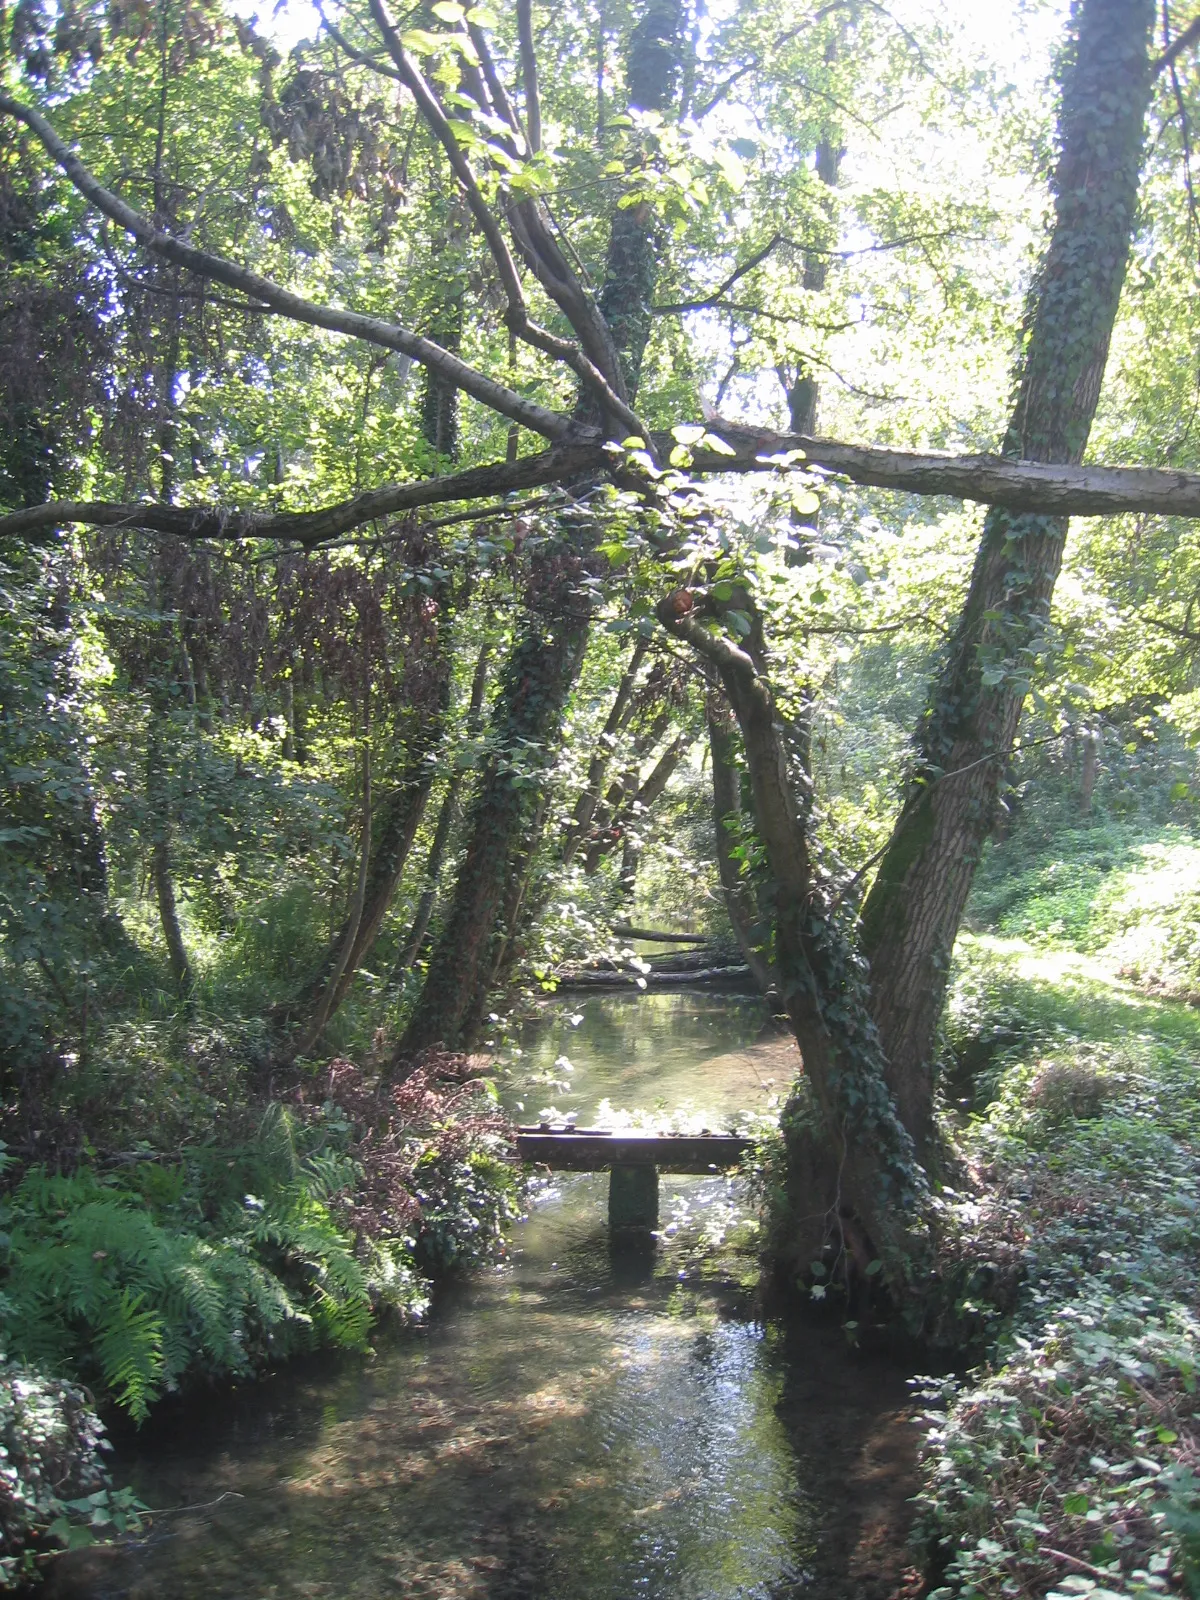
x=296 y=1226
x=1068 y=1464
x=1108 y=887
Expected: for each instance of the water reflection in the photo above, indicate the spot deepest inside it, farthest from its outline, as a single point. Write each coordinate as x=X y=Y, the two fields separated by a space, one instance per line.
x=580 y=1424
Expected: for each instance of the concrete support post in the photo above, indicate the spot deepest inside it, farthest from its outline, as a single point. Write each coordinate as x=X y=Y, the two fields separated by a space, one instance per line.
x=633 y=1198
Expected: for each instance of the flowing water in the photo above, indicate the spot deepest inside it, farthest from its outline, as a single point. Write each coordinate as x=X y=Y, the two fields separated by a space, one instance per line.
x=579 y=1423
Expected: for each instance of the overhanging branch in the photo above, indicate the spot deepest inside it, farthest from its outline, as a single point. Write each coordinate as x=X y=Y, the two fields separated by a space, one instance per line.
x=993 y=480
x=311 y=527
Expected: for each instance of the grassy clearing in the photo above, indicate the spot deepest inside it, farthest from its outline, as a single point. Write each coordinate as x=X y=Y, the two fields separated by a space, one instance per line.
x=1109 y=888
x=1068 y=1465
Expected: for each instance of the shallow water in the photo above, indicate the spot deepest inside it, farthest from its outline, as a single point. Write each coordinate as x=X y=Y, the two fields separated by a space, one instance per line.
x=577 y=1424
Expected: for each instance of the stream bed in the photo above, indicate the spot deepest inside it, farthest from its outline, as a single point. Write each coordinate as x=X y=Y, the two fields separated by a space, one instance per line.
x=578 y=1423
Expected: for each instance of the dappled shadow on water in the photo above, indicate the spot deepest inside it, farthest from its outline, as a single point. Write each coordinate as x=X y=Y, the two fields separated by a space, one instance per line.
x=584 y=1423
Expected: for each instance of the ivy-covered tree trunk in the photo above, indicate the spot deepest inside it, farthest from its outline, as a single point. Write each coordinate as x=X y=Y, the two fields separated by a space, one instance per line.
x=912 y=915
x=507 y=815
x=727 y=808
x=853 y=1180
x=448 y=813
x=537 y=679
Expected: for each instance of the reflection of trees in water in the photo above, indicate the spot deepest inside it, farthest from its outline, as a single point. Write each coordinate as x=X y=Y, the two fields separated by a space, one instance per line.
x=638 y=1050
x=581 y=1426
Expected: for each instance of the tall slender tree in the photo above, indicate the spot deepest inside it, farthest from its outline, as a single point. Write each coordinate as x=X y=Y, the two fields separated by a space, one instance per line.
x=966 y=734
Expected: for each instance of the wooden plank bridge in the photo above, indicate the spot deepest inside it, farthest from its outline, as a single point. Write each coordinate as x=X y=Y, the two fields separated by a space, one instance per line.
x=632 y=1160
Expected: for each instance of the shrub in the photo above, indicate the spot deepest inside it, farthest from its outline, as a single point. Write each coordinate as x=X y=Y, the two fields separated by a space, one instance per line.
x=54 y=1488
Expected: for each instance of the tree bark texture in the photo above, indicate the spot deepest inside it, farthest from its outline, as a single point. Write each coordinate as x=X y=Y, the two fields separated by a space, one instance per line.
x=912 y=914
x=749 y=930
x=537 y=679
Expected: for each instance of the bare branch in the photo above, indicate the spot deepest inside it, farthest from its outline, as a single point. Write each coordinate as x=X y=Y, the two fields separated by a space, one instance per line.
x=724 y=88
x=493 y=80
x=1176 y=48
x=311 y=527
x=431 y=110
x=994 y=480
x=529 y=76
x=516 y=316
x=383 y=67
x=372 y=330
x=1173 y=628
x=1031 y=486
x=723 y=288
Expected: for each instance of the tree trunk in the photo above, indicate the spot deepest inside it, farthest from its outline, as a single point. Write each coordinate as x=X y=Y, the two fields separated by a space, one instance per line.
x=161 y=872
x=447 y=816
x=506 y=816
x=739 y=894
x=311 y=1033
x=854 y=1182
x=538 y=677
x=585 y=806
x=912 y=914
x=397 y=829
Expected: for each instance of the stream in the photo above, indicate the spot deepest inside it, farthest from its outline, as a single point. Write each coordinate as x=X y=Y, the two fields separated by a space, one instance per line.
x=578 y=1423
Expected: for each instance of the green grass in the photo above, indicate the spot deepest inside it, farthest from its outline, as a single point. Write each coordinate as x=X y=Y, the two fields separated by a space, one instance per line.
x=1106 y=887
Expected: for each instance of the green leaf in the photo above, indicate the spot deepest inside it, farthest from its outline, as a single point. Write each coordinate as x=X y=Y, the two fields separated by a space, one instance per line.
x=731 y=167
x=717 y=445
x=448 y=11
x=1075 y=1504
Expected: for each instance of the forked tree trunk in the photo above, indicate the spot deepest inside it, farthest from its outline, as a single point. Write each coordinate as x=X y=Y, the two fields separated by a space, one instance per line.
x=507 y=814
x=912 y=914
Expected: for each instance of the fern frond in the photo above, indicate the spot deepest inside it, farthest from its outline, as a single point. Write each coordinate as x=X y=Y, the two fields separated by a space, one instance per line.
x=129 y=1345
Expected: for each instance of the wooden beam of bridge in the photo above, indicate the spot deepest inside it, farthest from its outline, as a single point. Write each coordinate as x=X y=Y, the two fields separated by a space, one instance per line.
x=599 y=1149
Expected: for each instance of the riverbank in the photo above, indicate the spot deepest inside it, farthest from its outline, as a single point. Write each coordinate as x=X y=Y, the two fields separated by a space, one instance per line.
x=296 y=1224
x=1068 y=1462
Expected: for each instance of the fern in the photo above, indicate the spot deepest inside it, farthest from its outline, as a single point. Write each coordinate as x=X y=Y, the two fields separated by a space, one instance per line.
x=134 y=1300
x=129 y=1345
